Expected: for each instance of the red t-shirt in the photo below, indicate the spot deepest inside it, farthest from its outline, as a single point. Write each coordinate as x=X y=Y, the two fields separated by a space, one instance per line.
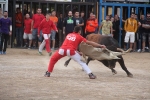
x=27 y=25
x=37 y=18
x=72 y=41
x=46 y=26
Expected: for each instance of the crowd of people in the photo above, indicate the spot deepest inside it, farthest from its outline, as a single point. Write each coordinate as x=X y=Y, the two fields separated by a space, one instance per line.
x=42 y=29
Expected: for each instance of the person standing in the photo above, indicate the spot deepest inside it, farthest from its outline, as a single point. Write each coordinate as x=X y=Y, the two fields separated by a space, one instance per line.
x=79 y=21
x=60 y=29
x=5 y=32
x=91 y=25
x=116 y=28
x=146 y=26
x=106 y=27
x=19 y=34
x=69 y=24
x=46 y=25
x=53 y=32
x=27 y=30
x=37 y=18
x=141 y=32
x=84 y=20
x=130 y=27
x=69 y=48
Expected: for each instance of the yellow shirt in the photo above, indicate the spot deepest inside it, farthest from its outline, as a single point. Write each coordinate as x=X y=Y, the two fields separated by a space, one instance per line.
x=130 y=25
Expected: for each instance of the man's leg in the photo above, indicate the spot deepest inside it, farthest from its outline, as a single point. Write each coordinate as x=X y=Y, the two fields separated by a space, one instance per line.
x=25 y=39
x=60 y=37
x=1 y=44
x=84 y=66
x=6 y=37
x=143 y=42
x=30 y=40
x=17 y=36
x=40 y=39
x=132 y=39
x=52 y=63
x=126 y=39
x=34 y=37
x=53 y=34
x=20 y=36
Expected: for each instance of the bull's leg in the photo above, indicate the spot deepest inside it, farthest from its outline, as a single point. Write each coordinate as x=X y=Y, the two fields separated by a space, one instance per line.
x=107 y=64
x=121 y=62
x=67 y=62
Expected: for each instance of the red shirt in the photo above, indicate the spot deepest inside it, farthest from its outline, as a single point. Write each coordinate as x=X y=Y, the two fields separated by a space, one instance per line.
x=72 y=41
x=27 y=25
x=46 y=26
x=37 y=18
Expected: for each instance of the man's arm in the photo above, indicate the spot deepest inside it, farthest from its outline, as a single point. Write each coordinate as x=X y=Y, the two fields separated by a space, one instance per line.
x=64 y=26
x=100 y=27
x=82 y=23
x=136 y=25
x=95 y=44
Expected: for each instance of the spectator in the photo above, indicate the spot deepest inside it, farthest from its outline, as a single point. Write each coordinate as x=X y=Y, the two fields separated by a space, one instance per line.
x=69 y=24
x=116 y=28
x=60 y=29
x=91 y=25
x=130 y=27
x=84 y=19
x=146 y=26
x=106 y=27
x=19 y=19
x=79 y=21
x=37 y=18
x=46 y=25
x=136 y=33
x=5 y=32
x=27 y=31
x=113 y=25
x=141 y=31
x=53 y=32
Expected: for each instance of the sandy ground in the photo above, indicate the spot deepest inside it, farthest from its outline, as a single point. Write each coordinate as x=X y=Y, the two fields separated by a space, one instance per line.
x=22 y=70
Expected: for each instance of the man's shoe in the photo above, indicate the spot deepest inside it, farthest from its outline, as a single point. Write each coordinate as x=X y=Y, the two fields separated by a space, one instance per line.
x=1 y=52
x=40 y=53
x=52 y=49
x=92 y=76
x=4 y=53
x=47 y=74
x=50 y=53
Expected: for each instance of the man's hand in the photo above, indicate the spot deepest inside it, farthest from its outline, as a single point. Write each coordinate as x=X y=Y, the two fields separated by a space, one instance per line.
x=10 y=33
x=31 y=29
x=63 y=32
x=102 y=46
x=80 y=53
x=57 y=31
x=38 y=36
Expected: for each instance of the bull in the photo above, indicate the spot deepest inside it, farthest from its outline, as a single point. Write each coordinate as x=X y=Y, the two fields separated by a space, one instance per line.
x=110 y=44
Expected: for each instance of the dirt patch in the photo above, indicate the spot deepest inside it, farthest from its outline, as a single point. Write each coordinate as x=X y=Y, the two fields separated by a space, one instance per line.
x=22 y=70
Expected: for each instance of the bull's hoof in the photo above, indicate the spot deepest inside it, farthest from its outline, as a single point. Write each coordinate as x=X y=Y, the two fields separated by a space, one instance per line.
x=114 y=72
x=130 y=75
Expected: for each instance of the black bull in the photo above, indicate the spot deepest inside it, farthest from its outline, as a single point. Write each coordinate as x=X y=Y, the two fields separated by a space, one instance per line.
x=111 y=44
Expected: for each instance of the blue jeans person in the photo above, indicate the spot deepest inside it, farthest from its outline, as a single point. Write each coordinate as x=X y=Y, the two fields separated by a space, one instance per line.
x=19 y=35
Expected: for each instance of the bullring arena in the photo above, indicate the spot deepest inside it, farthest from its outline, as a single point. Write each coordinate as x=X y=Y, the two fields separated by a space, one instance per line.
x=22 y=78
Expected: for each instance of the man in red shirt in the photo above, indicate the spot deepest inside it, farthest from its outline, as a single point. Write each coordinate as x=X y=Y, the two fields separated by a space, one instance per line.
x=37 y=18
x=46 y=26
x=27 y=31
x=69 y=48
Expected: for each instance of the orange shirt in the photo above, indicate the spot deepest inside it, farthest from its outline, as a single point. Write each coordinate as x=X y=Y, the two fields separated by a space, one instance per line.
x=54 y=19
x=91 y=25
x=130 y=25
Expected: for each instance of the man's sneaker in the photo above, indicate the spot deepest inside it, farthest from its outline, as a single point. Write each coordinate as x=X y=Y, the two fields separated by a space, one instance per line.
x=143 y=51
x=92 y=76
x=139 y=50
x=47 y=74
x=29 y=47
x=50 y=53
x=40 y=53
x=52 y=49
x=4 y=53
x=1 y=52
x=34 y=47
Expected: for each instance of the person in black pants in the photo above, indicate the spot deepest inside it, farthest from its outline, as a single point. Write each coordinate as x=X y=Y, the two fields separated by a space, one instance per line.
x=5 y=32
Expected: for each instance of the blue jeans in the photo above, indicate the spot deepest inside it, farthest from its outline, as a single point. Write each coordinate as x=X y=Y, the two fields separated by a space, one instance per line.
x=34 y=35
x=19 y=36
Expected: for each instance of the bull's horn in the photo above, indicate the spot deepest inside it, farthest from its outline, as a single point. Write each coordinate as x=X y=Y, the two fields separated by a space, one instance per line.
x=119 y=49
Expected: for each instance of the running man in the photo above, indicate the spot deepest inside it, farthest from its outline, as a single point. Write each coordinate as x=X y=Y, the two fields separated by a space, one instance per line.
x=69 y=48
x=46 y=26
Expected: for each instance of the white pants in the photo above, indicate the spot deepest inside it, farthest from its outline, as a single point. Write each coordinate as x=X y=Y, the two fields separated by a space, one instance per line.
x=46 y=36
x=76 y=57
x=131 y=36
